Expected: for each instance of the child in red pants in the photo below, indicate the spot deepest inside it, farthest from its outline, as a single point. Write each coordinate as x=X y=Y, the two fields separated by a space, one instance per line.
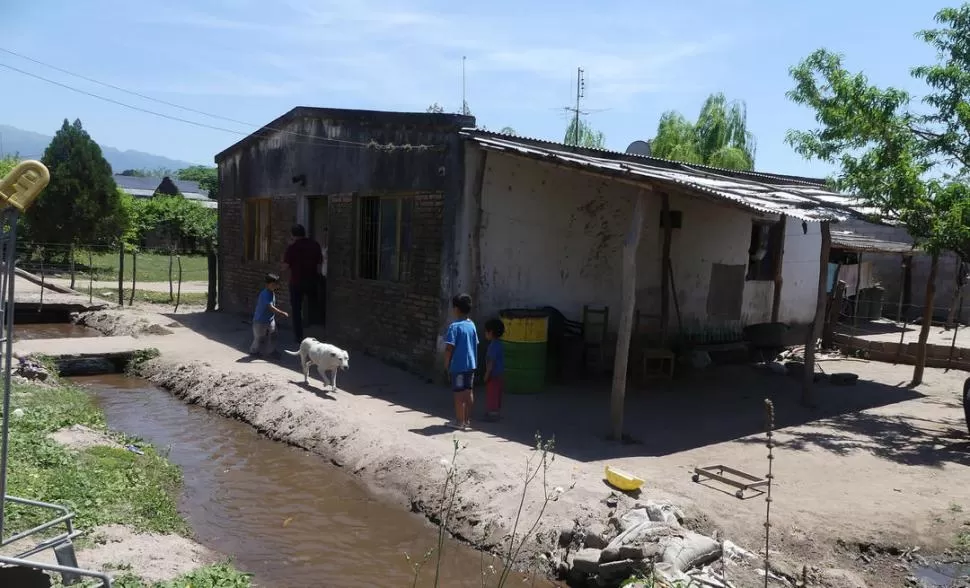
x=494 y=369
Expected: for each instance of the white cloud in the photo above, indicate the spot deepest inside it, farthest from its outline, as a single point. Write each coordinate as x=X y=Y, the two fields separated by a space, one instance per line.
x=413 y=55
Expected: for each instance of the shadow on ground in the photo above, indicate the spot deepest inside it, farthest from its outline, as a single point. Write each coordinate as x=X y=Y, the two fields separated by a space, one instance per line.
x=722 y=404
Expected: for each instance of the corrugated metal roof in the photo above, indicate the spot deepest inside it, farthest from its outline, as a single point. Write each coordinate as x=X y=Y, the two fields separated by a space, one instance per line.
x=810 y=203
x=855 y=242
x=135 y=184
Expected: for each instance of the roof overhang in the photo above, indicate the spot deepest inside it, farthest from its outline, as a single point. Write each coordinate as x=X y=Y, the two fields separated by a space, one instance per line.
x=810 y=203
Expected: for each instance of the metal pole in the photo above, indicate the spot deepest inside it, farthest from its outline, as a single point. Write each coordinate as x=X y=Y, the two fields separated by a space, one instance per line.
x=134 y=276
x=90 y=277
x=72 y=265
x=8 y=312
x=178 y=295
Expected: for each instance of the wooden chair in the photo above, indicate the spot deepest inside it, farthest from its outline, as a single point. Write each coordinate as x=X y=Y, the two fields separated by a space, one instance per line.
x=596 y=323
x=649 y=352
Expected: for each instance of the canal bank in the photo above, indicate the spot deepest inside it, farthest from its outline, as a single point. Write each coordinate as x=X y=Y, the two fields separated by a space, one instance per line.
x=387 y=427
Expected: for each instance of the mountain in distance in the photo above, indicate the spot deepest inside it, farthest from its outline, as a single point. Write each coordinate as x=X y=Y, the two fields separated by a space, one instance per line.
x=31 y=145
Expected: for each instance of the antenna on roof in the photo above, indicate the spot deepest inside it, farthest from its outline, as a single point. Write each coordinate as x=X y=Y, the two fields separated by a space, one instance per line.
x=463 y=102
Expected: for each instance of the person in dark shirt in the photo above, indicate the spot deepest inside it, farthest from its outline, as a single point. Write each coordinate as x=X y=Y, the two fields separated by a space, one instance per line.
x=302 y=262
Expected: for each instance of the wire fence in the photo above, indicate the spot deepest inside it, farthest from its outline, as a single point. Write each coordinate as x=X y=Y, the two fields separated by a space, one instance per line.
x=121 y=273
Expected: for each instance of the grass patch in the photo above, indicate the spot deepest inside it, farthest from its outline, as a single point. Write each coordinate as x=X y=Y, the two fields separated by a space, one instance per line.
x=962 y=543
x=103 y=265
x=102 y=485
x=215 y=576
x=152 y=297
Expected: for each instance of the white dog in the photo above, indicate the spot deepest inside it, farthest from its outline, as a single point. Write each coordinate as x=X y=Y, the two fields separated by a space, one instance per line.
x=327 y=358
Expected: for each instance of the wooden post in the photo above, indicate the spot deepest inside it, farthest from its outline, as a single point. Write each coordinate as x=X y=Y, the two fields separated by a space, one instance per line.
x=90 y=277
x=134 y=276
x=121 y=274
x=178 y=293
x=924 y=331
x=814 y=331
x=902 y=289
x=171 y=286
x=625 y=332
x=665 y=266
x=213 y=266
x=72 y=265
x=858 y=284
x=779 y=269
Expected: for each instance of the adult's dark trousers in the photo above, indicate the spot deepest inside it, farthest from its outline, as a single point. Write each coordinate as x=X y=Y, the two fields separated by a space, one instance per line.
x=298 y=292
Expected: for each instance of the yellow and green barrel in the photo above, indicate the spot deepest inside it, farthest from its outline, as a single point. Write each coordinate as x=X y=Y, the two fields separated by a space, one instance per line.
x=526 y=343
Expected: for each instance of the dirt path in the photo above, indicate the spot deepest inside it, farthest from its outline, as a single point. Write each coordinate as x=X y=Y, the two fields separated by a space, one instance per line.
x=876 y=464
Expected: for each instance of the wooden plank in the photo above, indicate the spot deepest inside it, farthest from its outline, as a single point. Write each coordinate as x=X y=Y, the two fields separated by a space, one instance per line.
x=625 y=331
x=779 y=270
x=815 y=329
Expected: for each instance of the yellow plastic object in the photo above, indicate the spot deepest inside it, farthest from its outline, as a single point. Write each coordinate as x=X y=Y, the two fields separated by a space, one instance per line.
x=622 y=480
x=24 y=183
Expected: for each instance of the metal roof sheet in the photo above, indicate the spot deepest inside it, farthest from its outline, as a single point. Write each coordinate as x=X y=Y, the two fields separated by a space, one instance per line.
x=855 y=242
x=809 y=203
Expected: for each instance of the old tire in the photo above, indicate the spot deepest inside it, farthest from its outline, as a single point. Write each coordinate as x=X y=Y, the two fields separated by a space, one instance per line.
x=966 y=403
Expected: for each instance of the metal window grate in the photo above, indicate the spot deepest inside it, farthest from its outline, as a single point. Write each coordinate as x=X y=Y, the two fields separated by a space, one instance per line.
x=385 y=238
x=257 y=228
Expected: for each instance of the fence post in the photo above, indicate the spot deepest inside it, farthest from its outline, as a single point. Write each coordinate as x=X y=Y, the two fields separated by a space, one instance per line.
x=171 y=293
x=134 y=275
x=90 y=277
x=178 y=295
x=42 y=286
x=121 y=274
x=72 y=266
x=210 y=303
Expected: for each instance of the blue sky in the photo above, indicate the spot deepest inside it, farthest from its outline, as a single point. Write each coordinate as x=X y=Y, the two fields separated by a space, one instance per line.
x=253 y=60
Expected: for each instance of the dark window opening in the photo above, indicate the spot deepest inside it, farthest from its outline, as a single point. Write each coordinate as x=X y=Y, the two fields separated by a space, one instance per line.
x=764 y=251
x=384 y=238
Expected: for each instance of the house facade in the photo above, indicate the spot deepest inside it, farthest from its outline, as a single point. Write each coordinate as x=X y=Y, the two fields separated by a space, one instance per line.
x=418 y=207
x=379 y=186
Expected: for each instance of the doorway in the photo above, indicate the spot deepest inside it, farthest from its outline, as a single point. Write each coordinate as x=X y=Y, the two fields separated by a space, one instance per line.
x=319 y=222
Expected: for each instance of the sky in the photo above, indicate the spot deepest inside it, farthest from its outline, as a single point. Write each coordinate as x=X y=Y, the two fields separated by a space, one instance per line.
x=253 y=60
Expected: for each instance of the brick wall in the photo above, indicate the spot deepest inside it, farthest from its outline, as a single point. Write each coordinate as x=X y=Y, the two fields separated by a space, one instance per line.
x=395 y=321
x=239 y=286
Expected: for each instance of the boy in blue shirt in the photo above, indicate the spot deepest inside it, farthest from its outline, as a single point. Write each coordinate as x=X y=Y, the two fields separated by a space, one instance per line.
x=461 y=353
x=494 y=368
x=264 y=319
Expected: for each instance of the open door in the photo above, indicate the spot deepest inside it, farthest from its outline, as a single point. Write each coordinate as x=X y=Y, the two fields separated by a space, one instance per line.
x=319 y=223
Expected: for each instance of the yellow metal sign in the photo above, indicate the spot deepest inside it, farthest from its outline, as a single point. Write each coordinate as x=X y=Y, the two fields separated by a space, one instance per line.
x=24 y=183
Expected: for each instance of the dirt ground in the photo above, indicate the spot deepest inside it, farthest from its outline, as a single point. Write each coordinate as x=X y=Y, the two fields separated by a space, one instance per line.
x=875 y=471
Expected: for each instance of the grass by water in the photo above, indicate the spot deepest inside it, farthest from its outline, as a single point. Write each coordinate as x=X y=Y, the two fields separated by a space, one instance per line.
x=102 y=484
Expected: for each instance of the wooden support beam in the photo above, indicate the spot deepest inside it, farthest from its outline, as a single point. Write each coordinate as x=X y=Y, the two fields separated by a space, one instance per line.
x=665 y=266
x=779 y=269
x=627 y=305
x=814 y=331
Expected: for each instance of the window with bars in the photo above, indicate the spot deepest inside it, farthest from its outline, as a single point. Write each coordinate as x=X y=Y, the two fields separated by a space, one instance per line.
x=384 y=238
x=256 y=219
x=764 y=251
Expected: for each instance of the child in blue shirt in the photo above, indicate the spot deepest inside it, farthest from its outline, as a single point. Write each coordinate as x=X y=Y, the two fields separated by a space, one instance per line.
x=264 y=319
x=461 y=353
x=494 y=368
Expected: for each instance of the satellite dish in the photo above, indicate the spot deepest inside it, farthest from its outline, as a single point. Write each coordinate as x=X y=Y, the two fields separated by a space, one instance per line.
x=639 y=148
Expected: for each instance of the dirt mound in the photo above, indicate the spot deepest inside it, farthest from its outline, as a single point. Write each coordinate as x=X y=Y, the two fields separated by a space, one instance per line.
x=117 y=322
x=80 y=437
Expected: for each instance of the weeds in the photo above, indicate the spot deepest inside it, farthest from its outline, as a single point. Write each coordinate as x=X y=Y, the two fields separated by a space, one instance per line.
x=536 y=465
x=139 y=357
x=216 y=576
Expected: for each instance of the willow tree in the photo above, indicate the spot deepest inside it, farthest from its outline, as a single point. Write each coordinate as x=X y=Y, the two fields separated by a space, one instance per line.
x=580 y=134
x=719 y=137
x=906 y=164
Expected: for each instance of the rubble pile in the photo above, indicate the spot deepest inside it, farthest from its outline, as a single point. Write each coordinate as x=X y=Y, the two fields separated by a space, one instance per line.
x=648 y=540
x=29 y=369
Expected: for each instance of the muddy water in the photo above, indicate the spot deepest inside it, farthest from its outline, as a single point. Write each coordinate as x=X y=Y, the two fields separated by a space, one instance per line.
x=286 y=515
x=52 y=331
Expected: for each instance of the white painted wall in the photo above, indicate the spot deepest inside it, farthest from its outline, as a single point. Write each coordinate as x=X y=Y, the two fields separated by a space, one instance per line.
x=554 y=237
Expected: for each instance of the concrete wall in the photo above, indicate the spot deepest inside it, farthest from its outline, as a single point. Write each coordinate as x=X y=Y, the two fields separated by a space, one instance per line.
x=398 y=322
x=887 y=271
x=552 y=236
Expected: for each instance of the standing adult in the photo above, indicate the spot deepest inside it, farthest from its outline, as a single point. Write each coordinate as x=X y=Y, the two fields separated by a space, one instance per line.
x=302 y=261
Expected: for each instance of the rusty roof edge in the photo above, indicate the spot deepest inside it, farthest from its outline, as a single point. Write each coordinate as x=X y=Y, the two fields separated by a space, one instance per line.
x=829 y=214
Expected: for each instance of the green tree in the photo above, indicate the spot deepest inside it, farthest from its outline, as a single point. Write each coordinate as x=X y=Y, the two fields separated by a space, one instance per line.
x=81 y=204
x=583 y=135
x=887 y=154
x=7 y=163
x=718 y=138
x=136 y=173
x=507 y=131
x=436 y=108
x=187 y=224
x=207 y=177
